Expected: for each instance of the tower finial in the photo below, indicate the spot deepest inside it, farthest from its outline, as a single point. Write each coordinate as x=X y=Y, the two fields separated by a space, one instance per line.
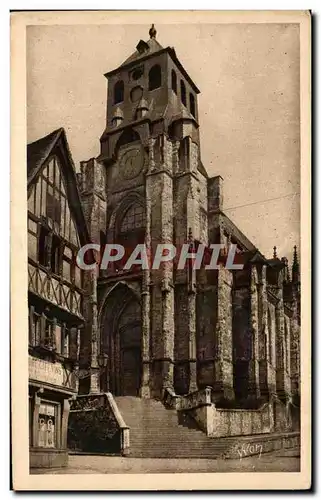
x=295 y=266
x=152 y=31
x=274 y=253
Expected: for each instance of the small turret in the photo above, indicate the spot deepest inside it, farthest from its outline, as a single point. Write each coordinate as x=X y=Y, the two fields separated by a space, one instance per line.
x=117 y=117
x=142 y=109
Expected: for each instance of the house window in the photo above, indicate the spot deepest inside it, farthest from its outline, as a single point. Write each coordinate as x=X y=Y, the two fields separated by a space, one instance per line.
x=67 y=264
x=73 y=343
x=78 y=276
x=58 y=338
x=44 y=247
x=174 y=81
x=119 y=92
x=55 y=254
x=32 y=239
x=49 y=339
x=192 y=104
x=46 y=425
x=155 y=77
x=183 y=93
x=53 y=207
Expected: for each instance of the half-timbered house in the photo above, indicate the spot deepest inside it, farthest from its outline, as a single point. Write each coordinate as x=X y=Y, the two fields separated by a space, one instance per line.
x=56 y=230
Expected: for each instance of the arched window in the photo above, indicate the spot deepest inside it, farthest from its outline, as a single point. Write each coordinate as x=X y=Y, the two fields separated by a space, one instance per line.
x=133 y=219
x=119 y=92
x=183 y=93
x=192 y=104
x=155 y=77
x=174 y=81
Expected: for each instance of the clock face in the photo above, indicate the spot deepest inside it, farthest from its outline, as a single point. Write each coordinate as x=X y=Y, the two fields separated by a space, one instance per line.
x=131 y=162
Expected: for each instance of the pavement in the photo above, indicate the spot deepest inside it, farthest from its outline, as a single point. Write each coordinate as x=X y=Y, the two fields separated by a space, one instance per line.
x=285 y=460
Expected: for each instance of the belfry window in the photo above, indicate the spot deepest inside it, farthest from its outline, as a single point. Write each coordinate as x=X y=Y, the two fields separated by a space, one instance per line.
x=183 y=93
x=119 y=92
x=174 y=82
x=192 y=104
x=155 y=77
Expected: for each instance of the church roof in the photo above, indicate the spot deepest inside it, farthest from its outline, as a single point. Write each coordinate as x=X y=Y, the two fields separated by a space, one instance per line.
x=150 y=47
x=38 y=153
x=144 y=50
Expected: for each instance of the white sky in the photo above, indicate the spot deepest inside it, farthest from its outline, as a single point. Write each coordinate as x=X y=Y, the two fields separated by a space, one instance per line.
x=248 y=75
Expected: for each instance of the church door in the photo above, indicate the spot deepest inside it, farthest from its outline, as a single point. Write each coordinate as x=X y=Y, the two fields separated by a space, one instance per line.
x=121 y=341
x=130 y=360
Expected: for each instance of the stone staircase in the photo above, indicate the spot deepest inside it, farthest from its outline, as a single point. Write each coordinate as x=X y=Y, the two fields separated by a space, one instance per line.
x=163 y=433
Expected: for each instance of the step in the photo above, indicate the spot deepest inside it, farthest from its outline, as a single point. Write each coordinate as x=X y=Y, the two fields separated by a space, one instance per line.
x=158 y=432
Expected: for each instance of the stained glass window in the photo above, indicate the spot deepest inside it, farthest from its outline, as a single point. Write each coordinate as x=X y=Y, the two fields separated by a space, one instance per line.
x=133 y=219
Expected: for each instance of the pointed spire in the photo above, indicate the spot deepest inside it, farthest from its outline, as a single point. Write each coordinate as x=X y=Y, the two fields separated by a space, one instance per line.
x=152 y=32
x=295 y=266
x=275 y=256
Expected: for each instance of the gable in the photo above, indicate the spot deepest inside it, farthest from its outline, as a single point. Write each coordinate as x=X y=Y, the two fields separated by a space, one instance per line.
x=48 y=199
x=52 y=187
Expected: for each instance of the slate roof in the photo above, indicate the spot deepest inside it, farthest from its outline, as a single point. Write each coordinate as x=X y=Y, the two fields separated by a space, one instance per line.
x=40 y=150
x=153 y=47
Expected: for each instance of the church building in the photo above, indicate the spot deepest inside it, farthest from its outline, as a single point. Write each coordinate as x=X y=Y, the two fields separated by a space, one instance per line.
x=187 y=339
x=234 y=331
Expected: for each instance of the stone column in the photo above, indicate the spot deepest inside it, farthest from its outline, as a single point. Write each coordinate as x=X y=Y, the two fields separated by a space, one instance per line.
x=282 y=379
x=223 y=385
x=254 y=380
x=64 y=424
x=159 y=195
x=145 y=389
x=58 y=428
x=266 y=370
x=295 y=351
x=95 y=343
x=187 y=227
x=35 y=420
x=192 y=338
x=168 y=333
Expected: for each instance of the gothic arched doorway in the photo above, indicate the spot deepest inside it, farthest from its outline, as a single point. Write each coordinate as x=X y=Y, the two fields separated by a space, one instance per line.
x=121 y=340
x=129 y=333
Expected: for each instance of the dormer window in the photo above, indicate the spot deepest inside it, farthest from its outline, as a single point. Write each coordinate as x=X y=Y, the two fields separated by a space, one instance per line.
x=155 y=77
x=142 y=47
x=119 y=92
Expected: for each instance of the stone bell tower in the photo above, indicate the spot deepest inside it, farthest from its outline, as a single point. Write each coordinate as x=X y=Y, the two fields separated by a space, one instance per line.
x=156 y=191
